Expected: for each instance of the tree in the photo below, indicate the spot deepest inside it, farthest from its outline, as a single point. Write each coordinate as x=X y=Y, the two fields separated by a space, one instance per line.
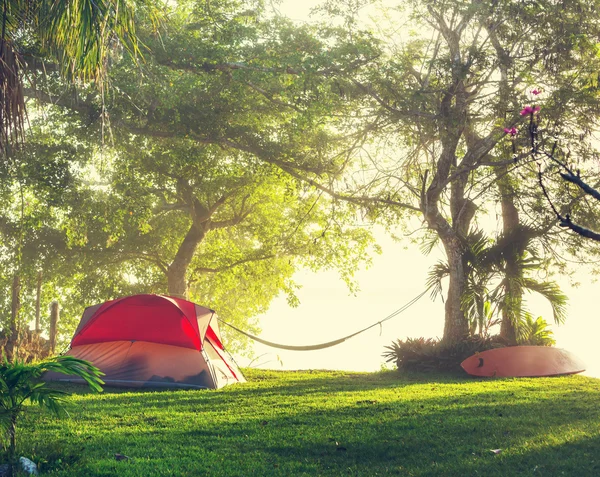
x=34 y=193
x=230 y=76
x=443 y=98
x=517 y=196
x=497 y=271
x=568 y=176
x=323 y=104
x=80 y=37
x=216 y=226
x=20 y=384
x=194 y=198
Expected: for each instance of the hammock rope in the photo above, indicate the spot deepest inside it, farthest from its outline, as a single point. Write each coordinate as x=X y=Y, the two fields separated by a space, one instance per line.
x=328 y=344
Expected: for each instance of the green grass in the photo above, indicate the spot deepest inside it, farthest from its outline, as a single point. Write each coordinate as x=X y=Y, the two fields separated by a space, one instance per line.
x=328 y=423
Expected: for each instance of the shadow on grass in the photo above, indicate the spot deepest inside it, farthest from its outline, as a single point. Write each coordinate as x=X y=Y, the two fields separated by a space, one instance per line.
x=321 y=383
x=339 y=425
x=301 y=386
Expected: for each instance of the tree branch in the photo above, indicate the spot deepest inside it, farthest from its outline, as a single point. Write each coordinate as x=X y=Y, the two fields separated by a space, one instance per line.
x=385 y=105
x=565 y=221
x=231 y=265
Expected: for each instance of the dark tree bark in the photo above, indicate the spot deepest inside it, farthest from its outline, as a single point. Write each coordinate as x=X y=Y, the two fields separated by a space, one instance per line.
x=513 y=293
x=54 y=314
x=453 y=122
x=14 y=318
x=176 y=273
x=456 y=325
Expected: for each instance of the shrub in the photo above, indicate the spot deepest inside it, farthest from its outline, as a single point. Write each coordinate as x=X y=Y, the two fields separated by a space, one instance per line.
x=20 y=385
x=421 y=354
x=535 y=332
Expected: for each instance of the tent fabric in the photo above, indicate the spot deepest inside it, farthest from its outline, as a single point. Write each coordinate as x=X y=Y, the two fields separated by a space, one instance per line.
x=143 y=364
x=87 y=314
x=151 y=318
x=205 y=318
x=153 y=341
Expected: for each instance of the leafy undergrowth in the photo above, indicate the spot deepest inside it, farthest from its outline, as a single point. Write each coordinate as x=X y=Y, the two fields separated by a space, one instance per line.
x=328 y=423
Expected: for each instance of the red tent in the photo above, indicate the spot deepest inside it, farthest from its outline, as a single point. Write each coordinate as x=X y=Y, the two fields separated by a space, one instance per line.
x=153 y=341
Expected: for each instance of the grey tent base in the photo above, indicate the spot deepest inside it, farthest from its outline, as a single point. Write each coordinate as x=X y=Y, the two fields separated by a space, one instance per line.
x=135 y=384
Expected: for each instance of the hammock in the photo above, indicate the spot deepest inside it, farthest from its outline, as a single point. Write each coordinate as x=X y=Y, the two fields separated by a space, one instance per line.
x=328 y=344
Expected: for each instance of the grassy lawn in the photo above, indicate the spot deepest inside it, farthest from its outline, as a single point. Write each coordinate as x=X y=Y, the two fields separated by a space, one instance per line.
x=328 y=423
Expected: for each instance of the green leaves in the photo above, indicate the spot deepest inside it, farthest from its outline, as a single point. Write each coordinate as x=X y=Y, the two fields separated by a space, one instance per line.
x=198 y=193
x=434 y=280
x=551 y=291
x=498 y=272
x=20 y=383
x=76 y=367
x=79 y=33
x=534 y=332
x=421 y=354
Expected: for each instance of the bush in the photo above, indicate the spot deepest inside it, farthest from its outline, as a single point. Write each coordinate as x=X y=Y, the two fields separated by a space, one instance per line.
x=535 y=332
x=20 y=383
x=421 y=354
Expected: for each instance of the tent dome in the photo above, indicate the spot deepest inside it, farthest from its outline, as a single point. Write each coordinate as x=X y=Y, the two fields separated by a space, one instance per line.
x=153 y=341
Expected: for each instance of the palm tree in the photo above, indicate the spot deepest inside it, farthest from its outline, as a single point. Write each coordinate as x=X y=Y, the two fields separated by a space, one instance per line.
x=20 y=383
x=478 y=298
x=77 y=35
x=496 y=279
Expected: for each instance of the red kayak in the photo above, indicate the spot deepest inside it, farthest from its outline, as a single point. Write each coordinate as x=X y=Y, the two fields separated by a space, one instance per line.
x=523 y=361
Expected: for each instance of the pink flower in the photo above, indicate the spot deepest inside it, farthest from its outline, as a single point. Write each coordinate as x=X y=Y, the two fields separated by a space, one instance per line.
x=530 y=110
x=535 y=92
x=512 y=131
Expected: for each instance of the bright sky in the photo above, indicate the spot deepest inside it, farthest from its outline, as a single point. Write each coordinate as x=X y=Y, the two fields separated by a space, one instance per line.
x=327 y=310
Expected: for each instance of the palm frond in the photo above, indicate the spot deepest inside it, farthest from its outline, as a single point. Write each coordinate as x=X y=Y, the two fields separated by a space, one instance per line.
x=516 y=242
x=478 y=245
x=80 y=33
x=482 y=252
x=552 y=292
x=12 y=101
x=429 y=243
x=50 y=399
x=434 y=278
x=74 y=366
x=20 y=382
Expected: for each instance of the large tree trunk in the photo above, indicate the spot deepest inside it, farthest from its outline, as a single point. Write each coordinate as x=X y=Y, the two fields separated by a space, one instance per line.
x=511 y=308
x=452 y=235
x=513 y=293
x=453 y=122
x=456 y=325
x=176 y=274
x=13 y=331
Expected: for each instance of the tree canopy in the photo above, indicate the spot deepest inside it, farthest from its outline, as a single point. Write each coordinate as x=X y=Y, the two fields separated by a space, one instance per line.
x=245 y=146
x=191 y=195
x=443 y=99
x=79 y=37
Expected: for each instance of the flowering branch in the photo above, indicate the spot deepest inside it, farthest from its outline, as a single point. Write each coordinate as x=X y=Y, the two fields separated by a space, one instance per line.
x=568 y=175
